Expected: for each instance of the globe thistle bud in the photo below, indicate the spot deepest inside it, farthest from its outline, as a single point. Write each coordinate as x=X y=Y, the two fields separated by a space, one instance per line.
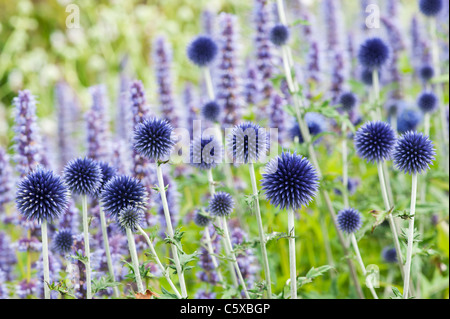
x=349 y=220
x=42 y=196
x=202 y=51
x=389 y=255
x=83 y=176
x=153 y=138
x=108 y=172
x=211 y=111
x=122 y=192
x=279 y=35
x=221 y=204
x=374 y=141
x=201 y=220
x=248 y=143
x=63 y=241
x=206 y=153
x=430 y=8
x=290 y=181
x=409 y=119
x=373 y=53
x=130 y=217
x=426 y=73
x=413 y=153
x=316 y=124
x=427 y=102
x=348 y=101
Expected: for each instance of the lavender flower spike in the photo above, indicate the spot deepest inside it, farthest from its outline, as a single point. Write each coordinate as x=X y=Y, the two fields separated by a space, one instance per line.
x=6 y=180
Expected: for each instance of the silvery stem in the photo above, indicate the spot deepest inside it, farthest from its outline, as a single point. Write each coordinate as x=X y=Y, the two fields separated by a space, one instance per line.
x=209 y=84
x=45 y=263
x=211 y=253
x=134 y=260
x=345 y=165
x=87 y=250
x=292 y=263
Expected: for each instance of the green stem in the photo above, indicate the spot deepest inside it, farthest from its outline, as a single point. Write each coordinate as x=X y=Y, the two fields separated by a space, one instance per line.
x=262 y=236
x=134 y=260
x=87 y=250
x=45 y=262
x=345 y=165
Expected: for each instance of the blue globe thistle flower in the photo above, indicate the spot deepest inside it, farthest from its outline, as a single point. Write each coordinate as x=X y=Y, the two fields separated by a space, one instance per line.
x=348 y=101
x=206 y=153
x=409 y=119
x=42 y=195
x=349 y=220
x=389 y=254
x=153 y=138
x=200 y=219
x=130 y=217
x=248 y=143
x=427 y=102
x=430 y=8
x=121 y=192
x=211 y=111
x=83 y=176
x=373 y=53
x=374 y=141
x=279 y=35
x=221 y=204
x=426 y=73
x=413 y=153
x=316 y=124
x=367 y=76
x=63 y=241
x=290 y=181
x=202 y=50
x=108 y=172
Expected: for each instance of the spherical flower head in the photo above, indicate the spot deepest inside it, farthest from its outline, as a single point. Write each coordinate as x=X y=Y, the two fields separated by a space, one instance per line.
x=427 y=102
x=121 y=192
x=201 y=220
x=316 y=124
x=430 y=8
x=279 y=35
x=63 y=241
x=413 y=153
x=221 y=204
x=130 y=217
x=202 y=51
x=42 y=196
x=349 y=220
x=426 y=73
x=374 y=141
x=389 y=254
x=373 y=53
x=247 y=142
x=83 y=176
x=206 y=153
x=108 y=172
x=290 y=181
x=348 y=101
x=153 y=138
x=211 y=111
x=409 y=119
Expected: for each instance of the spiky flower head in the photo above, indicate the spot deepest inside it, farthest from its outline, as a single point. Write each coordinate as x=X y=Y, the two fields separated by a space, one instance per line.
x=348 y=101
x=63 y=241
x=413 y=153
x=206 y=153
x=349 y=220
x=211 y=111
x=153 y=138
x=373 y=53
x=279 y=35
x=290 y=181
x=426 y=73
x=108 y=172
x=83 y=176
x=430 y=8
x=42 y=195
x=130 y=217
x=202 y=51
x=200 y=219
x=247 y=142
x=428 y=102
x=121 y=192
x=389 y=254
x=221 y=204
x=374 y=141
